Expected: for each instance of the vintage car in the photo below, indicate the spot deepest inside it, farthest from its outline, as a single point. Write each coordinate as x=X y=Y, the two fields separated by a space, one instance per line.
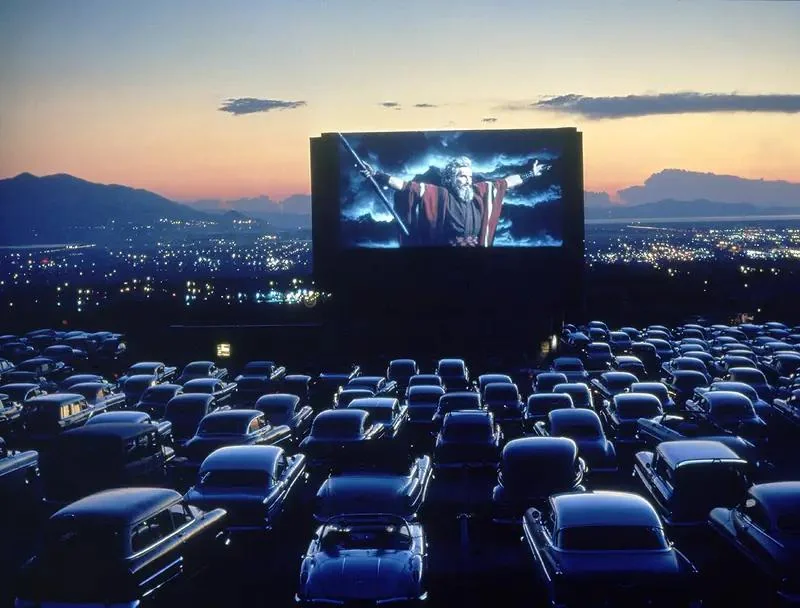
x=164 y=427
x=53 y=370
x=580 y=393
x=632 y=365
x=453 y=401
x=621 y=415
x=155 y=398
x=710 y=362
x=788 y=410
x=19 y=474
x=201 y=369
x=377 y=559
x=344 y=396
x=682 y=384
x=221 y=391
x=544 y=382
x=585 y=429
x=729 y=412
x=781 y=367
x=658 y=390
x=454 y=374
x=255 y=484
x=753 y=377
x=685 y=363
x=119 y=547
x=338 y=435
x=609 y=384
x=134 y=387
x=99 y=395
x=230 y=427
x=571 y=367
x=10 y=414
x=16 y=351
x=99 y=457
x=257 y=378
x=162 y=372
x=380 y=386
x=424 y=380
x=287 y=409
x=648 y=355
x=664 y=349
x=607 y=549
x=539 y=405
x=598 y=334
x=467 y=440
x=485 y=379
x=762 y=408
x=531 y=470
x=326 y=384
x=389 y=481
x=619 y=341
x=597 y=357
x=423 y=401
x=72 y=357
x=20 y=377
x=298 y=384
x=49 y=415
x=503 y=401
x=763 y=529
x=401 y=371
x=634 y=333
x=576 y=341
x=385 y=411
x=185 y=413
x=74 y=379
x=686 y=479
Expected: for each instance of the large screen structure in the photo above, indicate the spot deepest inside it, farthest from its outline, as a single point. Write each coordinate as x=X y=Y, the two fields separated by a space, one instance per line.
x=451 y=189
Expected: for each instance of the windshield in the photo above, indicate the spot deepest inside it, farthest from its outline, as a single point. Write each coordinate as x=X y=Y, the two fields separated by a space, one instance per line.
x=451 y=369
x=222 y=425
x=331 y=429
x=366 y=537
x=14 y=393
x=733 y=410
x=612 y=538
x=568 y=366
x=234 y=479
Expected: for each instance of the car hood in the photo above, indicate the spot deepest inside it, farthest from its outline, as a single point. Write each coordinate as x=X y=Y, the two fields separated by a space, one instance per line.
x=365 y=574
x=363 y=493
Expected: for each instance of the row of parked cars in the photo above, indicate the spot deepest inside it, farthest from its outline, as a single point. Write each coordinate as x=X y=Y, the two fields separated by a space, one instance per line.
x=359 y=455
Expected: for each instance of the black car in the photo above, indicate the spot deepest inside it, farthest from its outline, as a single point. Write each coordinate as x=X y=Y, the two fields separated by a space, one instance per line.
x=100 y=457
x=385 y=411
x=162 y=372
x=539 y=405
x=155 y=398
x=344 y=396
x=19 y=474
x=327 y=384
x=48 y=416
x=120 y=547
x=631 y=364
x=585 y=429
x=729 y=412
x=682 y=384
x=545 y=381
x=454 y=401
x=221 y=391
x=298 y=384
x=454 y=374
x=597 y=357
x=401 y=371
x=380 y=386
x=486 y=379
x=185 y=413
x=503 y=401
x=571 y=367
x=257 y=378
x=531 y=470
x=763 y=529
x=657 y=389
x=686 y=479
x=468 y=439
x=422 y=404
x=580 y=393
x=287 y=409
x=606 y=548
x=134 y=387
x=100 y=395
x=255 y=484
x=338 y=435
x=424 y=380
x=164 y=427
x=609 y=384
x=201 y=369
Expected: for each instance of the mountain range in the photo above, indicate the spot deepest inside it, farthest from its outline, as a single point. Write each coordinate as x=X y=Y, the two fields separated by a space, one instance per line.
x=43 y=207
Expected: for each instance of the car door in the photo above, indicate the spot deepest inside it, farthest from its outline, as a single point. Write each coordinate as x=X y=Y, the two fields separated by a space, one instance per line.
x=157 y=555
x=753 y=534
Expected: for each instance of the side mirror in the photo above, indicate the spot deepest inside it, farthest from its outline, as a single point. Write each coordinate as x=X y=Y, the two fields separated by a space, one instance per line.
x=648 y=465
x=536 y=515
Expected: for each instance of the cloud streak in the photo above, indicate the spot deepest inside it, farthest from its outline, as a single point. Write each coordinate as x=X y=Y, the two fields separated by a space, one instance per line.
x=630 y=106
x=489 y=119
x=251 y=105
x=425 y=105
x=392 y=105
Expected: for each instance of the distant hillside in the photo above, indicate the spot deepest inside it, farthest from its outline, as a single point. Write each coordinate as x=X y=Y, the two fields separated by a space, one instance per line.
x=292 y=212
x=685 y=209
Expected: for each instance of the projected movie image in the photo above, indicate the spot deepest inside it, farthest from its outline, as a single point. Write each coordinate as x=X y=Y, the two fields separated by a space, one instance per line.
x=451 y=189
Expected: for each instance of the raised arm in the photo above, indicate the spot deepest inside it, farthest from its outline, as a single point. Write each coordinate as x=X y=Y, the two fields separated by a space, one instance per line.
x=383 y=179
x=512 y=181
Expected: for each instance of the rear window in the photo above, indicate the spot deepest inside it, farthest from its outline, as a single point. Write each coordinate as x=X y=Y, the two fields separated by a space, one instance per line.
x=612 y=538
x=732 y=410
x=451 y=369
x=459 y=403
x=579 y=431
x=467 y=432
x=615 y=383
x=222 y=425
x=634 y=409
x=379 y=414
x=235 y=479
x=568 y=366
x=325 y=429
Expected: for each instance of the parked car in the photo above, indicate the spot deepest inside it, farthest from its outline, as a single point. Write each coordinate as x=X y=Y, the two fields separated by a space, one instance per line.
x=585 y=429
x=287 y=409
x=19 y=475
x=686 y=479
x=185 y=413
x=546 y=381
x=99 y=395
x=753 y=377
x=531 y=470
x=257 y=378
x=11 y=410
x=201 y=369
x=682 y=384
x=607 y=548
x=619 y=341
x=380 y=386
x=99 y=457
x=657 y=389
x=389 y=481
x=580 y=393
x=326 y=384
x=597 y=357
x=221 y=391
x=162 y=372
x=120 y=547
x=74 y=379
x=164 y=427
x=255 y=484
x=648 y=354
x=622 y=413
x=729 y=412
x=300 y=385
x=486 y=379
x=355 y=559
x=49 y=415
x=609 y=384
x=424 y=380
x=336 y=435
x=344 y=396
x=504 y=402
x=455 y=401
x=762 y=408
x=454 y=374
x=572 y=368
x=155 y=398
x=467 y=439
x=230 y=427
x=134 y=387
x=632 y=365
x=787 y=410
x=401 y=371
x=539 y=405
x=385 y=411
x=422 y=404
x=763 y=530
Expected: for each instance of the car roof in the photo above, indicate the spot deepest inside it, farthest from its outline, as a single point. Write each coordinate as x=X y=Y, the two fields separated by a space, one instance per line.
x=778 y=497
x=541 y=447
x=242 y=457
x=145 y=364
x=345 y=414
x=285 y=399
x=603 y=508
x=191 y=397
x=717 y=397
x=120 y=430
x=677 y=452
x=165 y=387
x=425 y=389
x=573 y=415
x=468 y=417
x=234 y=414
x=57 y=398
x=374 y=402
x=119 y=417
x=123 y=506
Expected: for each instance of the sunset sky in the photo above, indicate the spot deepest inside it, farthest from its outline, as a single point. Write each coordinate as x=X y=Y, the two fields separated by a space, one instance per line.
x=134 y=92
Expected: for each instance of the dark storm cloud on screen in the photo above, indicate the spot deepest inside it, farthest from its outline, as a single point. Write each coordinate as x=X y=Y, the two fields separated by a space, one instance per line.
x=532 y=214
x=252 y=105
x=630 y=106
